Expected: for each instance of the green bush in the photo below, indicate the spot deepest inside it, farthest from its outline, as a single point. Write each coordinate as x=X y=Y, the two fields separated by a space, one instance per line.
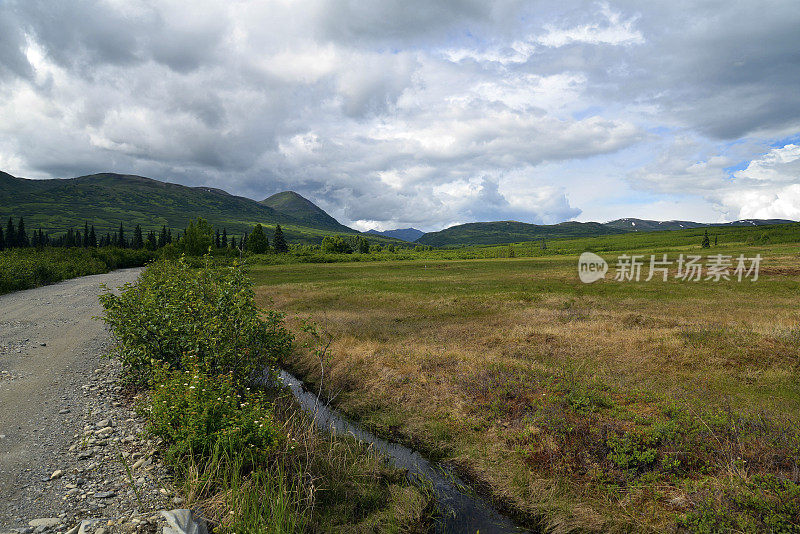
x=209 y=313
x=27 y=268
x=197 y=414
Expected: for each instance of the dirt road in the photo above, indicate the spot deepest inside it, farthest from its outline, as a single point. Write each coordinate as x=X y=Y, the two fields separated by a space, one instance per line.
x=50 y=347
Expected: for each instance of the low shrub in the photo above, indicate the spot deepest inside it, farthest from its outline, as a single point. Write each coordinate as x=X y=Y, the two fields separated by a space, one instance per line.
x=199 y=415
x=210 y=313
x=764 y=503
x=26 y=268
x=195 y=340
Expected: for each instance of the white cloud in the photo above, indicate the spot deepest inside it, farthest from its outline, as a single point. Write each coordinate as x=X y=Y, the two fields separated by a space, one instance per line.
x=779 y=165
x=769 y=187
x=773 y=203
x=611 y=31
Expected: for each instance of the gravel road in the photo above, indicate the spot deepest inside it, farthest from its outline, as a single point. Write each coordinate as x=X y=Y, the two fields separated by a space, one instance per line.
x=55 y=386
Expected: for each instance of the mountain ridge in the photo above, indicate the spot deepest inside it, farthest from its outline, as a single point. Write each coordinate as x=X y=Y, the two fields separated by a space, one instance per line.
x=107 y=200
x=636 y=225
x=497 y=232
x=405 y=234
x=297 y=206
x=500 y=232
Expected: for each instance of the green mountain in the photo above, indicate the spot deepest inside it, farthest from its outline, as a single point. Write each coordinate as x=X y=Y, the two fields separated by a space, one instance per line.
x=644 y=225
x=106 y=200
x=303 y=210
x=492 y=233
x=404 y=234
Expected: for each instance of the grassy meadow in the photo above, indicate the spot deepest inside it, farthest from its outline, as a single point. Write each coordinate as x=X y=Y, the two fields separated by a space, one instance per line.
x=605 y=406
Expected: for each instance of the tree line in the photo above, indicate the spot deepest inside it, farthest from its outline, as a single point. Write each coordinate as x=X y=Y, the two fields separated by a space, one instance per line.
x=197 y=238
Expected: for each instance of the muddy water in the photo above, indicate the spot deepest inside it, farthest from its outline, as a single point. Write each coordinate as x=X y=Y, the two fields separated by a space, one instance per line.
x=461 y=510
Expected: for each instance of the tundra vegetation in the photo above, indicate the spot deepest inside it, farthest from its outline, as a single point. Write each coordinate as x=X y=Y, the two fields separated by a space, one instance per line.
x=201 y=355
x=646 y=406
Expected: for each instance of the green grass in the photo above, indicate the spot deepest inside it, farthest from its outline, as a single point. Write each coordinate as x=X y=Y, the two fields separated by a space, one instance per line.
x=609 y=406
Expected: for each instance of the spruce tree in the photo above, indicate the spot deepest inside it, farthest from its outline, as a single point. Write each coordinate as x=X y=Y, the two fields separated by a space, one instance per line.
x=152 y=243
x=92 y=238
x=224 y=238
x=120 y=241
x=162 y=237
x=85 y=234
x=78 y=238
x=715 y=240
x=278 y=241
x=22 y=235
x=11 y=234
x=2 y=240
x=705 y=243
x=216 y=238
x=138 y=240
x=257 y=242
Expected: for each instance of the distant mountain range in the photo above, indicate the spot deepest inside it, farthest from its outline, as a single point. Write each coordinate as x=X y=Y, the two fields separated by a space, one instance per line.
x=107 y=199
x=491 y=233
x=644 y=225
x=404 y=234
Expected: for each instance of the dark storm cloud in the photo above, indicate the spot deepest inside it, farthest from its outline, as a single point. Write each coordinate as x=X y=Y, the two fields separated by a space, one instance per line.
x=80 y=33
x=13 y=62
x=726 y=69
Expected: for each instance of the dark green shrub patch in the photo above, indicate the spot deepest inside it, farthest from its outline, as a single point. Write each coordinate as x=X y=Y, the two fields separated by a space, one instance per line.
x=26 y=268
x=174 y=310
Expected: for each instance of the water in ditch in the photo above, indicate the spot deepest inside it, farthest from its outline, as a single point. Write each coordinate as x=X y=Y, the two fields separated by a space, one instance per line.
x=462 y=511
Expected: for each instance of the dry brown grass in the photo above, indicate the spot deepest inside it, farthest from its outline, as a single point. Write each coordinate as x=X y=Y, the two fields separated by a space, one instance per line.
x=460 y=366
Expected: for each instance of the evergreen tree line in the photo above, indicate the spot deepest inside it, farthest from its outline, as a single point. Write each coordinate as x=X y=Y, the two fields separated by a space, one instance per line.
x=338 y=244
x=257 y=241
x=197 y=238
x=17 y=237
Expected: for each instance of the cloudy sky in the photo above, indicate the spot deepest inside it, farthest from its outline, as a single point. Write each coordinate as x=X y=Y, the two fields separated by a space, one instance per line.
x=418 y=112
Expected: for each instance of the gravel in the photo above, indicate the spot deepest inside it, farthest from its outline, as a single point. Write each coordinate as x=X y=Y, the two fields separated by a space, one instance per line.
x=68 y=435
